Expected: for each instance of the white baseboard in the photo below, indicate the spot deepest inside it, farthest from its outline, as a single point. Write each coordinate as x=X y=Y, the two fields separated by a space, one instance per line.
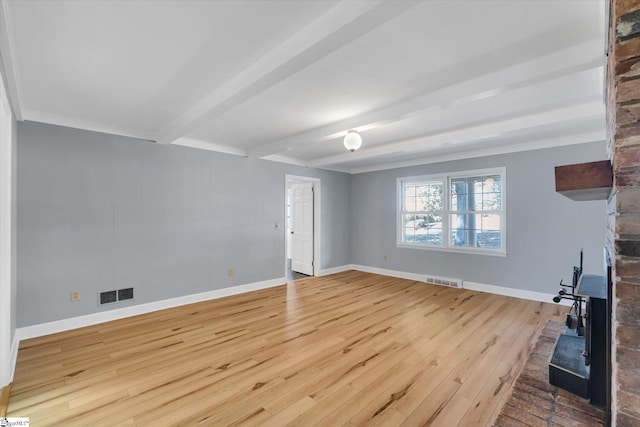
x=335 y=270
x=14 y=355
x=42 y=329
x=34 y=331
x=511 y=292
x=498 y=290
x=392 y=273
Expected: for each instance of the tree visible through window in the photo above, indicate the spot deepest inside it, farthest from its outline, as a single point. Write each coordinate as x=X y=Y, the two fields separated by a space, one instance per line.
x=475 y=206
x=454 y=211
x=423 y=205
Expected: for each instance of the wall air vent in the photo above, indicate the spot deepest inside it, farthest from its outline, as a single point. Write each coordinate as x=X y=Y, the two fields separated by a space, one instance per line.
x=108 y=297
x=444 y=281
x=125 y=294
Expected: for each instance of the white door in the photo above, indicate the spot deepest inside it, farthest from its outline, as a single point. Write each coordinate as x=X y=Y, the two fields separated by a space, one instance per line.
x=302 y=228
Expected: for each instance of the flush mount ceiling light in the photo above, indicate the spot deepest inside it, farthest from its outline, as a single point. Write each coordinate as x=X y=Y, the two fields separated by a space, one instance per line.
x=352 y=141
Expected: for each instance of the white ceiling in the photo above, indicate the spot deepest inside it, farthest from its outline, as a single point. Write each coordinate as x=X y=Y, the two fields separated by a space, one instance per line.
x=423 y=81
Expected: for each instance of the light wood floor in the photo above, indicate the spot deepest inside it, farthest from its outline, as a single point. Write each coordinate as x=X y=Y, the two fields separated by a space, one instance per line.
x=347 y=349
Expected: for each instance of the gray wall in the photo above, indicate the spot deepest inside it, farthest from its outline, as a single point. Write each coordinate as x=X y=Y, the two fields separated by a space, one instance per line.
x=99 y=212
x=545 y=230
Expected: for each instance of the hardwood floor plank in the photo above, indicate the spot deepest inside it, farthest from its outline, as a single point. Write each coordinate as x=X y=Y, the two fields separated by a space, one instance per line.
x=449 y=416
x=291 y=412
x=325 y=406
x=347 y=349
x=410 y=391
x=377 y=385
x=4 y=399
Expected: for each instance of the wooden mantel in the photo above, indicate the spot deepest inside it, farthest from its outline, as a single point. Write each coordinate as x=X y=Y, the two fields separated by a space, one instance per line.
x=585 y=181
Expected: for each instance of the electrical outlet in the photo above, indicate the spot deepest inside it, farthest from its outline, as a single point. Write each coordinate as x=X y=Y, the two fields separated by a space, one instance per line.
x=231 y=272
x=75 y=295
x=385 y=257
x=277 y=226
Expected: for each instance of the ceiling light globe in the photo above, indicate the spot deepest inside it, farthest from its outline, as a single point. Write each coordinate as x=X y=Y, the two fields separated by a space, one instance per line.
x=352 y=141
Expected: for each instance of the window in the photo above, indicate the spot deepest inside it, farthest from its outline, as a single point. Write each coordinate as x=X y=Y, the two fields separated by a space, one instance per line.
x=461 y=212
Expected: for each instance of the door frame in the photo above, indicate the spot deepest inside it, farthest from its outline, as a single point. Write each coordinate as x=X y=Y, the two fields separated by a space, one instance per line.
x=7 y=243
x=289 y=179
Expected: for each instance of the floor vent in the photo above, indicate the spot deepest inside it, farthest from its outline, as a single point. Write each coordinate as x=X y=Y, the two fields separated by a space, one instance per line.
x=109 y=297
x=444 y=281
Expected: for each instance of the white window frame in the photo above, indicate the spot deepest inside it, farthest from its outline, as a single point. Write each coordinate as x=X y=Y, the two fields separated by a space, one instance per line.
x=446 y=178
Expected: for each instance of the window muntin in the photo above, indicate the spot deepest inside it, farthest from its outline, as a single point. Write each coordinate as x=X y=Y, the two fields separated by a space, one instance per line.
x=459 y=212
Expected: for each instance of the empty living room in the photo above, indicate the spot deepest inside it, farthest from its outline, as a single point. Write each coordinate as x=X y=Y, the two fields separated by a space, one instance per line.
x=320 y=212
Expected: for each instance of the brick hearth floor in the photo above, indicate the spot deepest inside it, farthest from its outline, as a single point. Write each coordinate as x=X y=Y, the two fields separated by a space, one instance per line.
x=536 y=403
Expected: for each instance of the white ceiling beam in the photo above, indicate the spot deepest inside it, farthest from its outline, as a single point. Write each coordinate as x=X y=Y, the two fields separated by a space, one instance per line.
x=472 y=133
x=341 y=25
x=537 y=144
x=9 y=60
x=576 y=58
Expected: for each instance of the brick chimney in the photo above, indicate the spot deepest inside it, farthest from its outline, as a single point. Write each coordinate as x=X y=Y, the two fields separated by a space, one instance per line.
x=623 y=236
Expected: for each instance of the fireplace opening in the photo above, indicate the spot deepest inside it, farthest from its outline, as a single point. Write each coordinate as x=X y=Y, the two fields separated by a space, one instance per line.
x=581 y=360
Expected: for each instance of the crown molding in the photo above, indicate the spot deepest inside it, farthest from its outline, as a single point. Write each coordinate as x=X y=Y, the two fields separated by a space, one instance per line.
x=210 y=146
x=492 y=151
x=76 y=123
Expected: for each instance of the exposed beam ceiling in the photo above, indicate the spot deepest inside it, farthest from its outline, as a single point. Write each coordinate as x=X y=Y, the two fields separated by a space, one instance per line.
x=284 y=81
x=556 y=64
x=339 y=26
x=477 y=132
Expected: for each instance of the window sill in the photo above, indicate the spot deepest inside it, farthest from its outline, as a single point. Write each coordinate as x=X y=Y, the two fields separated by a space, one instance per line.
x=473 y=251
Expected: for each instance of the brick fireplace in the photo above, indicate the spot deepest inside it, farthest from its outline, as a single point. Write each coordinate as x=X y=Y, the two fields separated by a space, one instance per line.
x=623 y=235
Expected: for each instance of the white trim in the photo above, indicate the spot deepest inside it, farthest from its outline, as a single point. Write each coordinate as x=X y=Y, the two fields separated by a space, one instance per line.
x=453 y=249
x=335 y=270
x=512 y=292
x=317 y=223
x=474 y=132
x=7 y=176
x=33 y=331
x=209 y=146
x=445 y=180
x=338 y=26
x=333 y=168
x=285 y=160
x=497 y=290
x=42 y=329
x=77 y=123
x=13 y=357
x=584 y=138
x=392 y=273
x=8 y=48
x=564 y=62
